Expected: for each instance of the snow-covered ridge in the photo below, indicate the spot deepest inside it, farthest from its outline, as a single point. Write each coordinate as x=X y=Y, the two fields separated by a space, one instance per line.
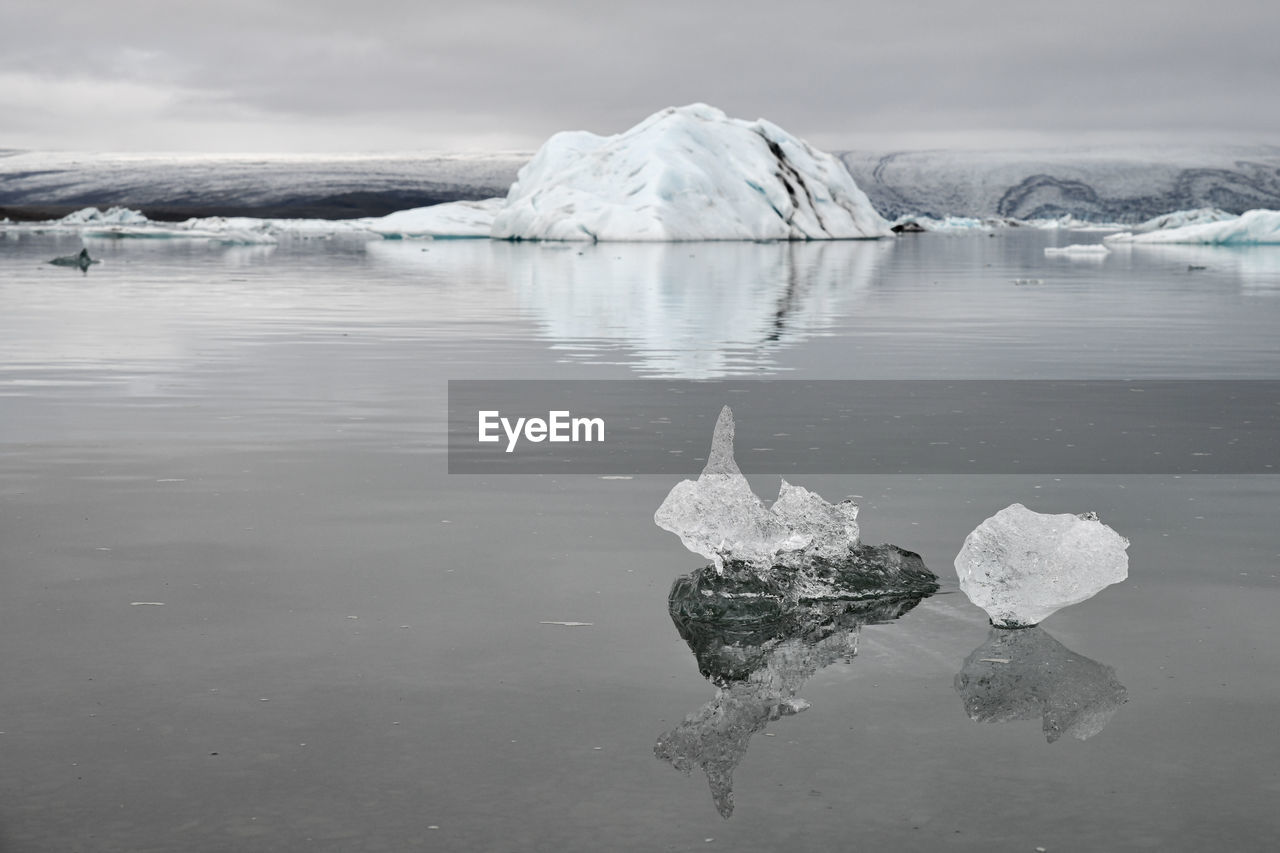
x=686 y=173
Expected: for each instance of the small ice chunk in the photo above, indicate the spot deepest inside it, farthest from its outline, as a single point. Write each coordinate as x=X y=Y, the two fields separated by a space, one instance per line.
x=1077 y=249
x=827 y=529
x=1020 y=566
x=718 y=514
x=81 y=260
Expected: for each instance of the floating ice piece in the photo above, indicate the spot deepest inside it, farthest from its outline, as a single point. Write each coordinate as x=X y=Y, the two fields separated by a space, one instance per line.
x=452 y=219
x=1020 y=566
x=81 y=260
x=1077 y=249
x=1256 y=227
x=1025 y=673
x=718 y=513
x=718 y=516
x=686 y=173
x=800 y=549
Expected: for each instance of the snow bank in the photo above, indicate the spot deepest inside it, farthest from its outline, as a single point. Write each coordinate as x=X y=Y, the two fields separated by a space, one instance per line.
x=1257 y=227
x=452 y=219
x=686 y=173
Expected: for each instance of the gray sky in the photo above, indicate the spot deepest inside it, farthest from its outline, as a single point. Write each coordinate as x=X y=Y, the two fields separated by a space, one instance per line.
x=319 y=75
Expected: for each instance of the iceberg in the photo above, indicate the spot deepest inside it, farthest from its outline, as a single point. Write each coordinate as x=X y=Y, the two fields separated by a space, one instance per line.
x=800 y=549
x=1254 y=228
x=1182 y=218
x=758 y=654
x=110 y=216
x=1021 y=566
x=1025 y=673
x=686 y=173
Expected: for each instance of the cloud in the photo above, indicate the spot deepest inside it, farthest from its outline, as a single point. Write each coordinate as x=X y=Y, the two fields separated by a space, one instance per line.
x=294 y=74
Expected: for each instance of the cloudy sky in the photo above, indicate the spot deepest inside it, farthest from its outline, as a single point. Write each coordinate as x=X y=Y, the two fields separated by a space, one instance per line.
x=337 y=75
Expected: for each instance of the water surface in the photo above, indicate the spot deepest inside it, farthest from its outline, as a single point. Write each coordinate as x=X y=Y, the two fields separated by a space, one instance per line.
x=350 y=652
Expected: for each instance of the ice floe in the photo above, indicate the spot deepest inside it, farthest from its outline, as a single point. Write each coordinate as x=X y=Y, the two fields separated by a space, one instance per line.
x=1086 y=250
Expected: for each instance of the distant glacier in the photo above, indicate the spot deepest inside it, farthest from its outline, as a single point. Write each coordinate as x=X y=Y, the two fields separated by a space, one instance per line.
x=1097 y=184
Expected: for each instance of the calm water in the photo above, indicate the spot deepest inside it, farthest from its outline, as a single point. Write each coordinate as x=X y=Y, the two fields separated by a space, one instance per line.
x=350 y=653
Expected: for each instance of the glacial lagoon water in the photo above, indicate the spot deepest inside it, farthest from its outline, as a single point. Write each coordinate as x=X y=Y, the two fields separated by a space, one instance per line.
x=350 y=649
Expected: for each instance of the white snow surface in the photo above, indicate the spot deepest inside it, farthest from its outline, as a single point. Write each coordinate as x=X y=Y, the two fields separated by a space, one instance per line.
x=452 y=219
x=686 y=173
x=1253 y=228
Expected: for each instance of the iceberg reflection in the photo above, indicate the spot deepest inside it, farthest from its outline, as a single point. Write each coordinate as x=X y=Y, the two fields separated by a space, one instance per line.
x=1024 y=673
x=692 y=310
x=759 y=652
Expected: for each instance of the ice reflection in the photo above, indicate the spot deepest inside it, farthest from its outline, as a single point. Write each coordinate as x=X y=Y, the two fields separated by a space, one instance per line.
x=1256 y=267
x=695 y=311
x=1024 y=674
x=759 y=653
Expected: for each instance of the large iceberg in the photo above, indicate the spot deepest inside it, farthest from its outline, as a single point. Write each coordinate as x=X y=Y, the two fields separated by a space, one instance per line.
x=1020 y=566
x=1256 y=227
x=686 y=173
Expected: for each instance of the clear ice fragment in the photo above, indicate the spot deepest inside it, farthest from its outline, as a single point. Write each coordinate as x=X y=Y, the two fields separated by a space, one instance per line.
x=1020 y=566
x=719 y=517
